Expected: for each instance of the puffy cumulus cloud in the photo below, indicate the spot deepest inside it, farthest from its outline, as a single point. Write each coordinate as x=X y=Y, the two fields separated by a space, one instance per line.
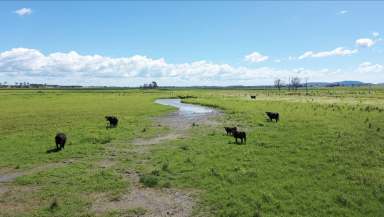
x=340 y=51
x=365 y=42
x=375 y=34
x=368 y=67
x=33 y=62
x=255 y=57
x=23 y=64
x=23 y=11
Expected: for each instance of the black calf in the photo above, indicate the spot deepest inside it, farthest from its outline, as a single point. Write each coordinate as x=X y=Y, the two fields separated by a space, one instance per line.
x=273 y=115
x=230 y=130
x=60 y=140
x=240 y=135
x=112 y=121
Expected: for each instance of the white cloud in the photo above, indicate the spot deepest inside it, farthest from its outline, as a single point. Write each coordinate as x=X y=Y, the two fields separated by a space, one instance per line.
x=31 y=65
x=368 y=67
x=375 y=34
x=343 y=12
x=336 y=52
x=24 y=62
x=365 y=42
x=23 y=11
x=256 y=57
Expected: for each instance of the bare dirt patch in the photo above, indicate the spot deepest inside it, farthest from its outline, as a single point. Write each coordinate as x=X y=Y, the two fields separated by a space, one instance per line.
x=12 y=174
x=16 y=199
x=157 y=202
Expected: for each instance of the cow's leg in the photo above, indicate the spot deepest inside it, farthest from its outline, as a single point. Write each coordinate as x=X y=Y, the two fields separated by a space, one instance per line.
x=57 y=146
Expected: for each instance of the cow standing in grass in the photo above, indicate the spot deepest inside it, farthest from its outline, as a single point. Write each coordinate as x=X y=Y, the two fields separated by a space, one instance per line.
x=273 y=116
x=60 y=140
x=230 y=130
x=240 y=135
x=253 y=97
x=112 y=121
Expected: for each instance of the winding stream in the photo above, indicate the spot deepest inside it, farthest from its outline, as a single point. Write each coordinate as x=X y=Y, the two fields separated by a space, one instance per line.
x=187 y=110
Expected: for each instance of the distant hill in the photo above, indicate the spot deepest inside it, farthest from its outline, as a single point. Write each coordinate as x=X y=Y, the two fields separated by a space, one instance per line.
x=352 y=83
x=339 y=83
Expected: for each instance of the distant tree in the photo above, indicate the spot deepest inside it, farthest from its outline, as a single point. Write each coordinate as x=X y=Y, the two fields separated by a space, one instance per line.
x=151 y=85
x=278 y=83
x=306 y=86
x=295 y=83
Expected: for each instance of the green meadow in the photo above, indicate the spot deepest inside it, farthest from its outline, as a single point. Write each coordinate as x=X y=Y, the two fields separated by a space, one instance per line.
x=325 y=157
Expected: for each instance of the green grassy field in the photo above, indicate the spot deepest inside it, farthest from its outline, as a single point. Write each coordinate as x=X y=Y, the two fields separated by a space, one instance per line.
x=324 y=158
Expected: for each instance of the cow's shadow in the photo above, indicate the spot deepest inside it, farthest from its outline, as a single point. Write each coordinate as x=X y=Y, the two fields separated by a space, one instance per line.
x=52 y=150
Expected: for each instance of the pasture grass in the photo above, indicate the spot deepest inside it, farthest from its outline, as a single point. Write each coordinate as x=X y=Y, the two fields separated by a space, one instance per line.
x=319 y=160
x=29 y=121
x=324 y=158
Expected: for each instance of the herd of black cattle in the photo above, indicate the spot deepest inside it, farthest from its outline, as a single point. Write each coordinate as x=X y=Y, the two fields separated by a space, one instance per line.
x=61 y=138
x=241 y=134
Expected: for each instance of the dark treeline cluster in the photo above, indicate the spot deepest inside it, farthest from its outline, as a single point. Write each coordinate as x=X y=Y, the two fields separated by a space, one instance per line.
x=294 y=83
x=29 y=85
x=151 y=85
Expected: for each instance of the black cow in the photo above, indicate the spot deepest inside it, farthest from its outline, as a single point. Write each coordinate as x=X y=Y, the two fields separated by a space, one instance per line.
x=112 y=121
x=60 y=140
x=273 y=115
x=230 y=130
x=240 y=135
x=253 y=97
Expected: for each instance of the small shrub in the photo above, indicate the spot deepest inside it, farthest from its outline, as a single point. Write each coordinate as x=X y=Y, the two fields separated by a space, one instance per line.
x=214 y=172
x=166 y=185
x=340 y=199
x=54 y=205
x=165 y=166
x=184 y=147
x=149 y=180
x=155 y=172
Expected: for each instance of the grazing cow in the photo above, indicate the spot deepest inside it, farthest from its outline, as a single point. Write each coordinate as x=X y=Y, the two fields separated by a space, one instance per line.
x=273 y=115
x=253 y=97
x=112 y=121
x=240 y=135
x=60 y=140
x=230 y=130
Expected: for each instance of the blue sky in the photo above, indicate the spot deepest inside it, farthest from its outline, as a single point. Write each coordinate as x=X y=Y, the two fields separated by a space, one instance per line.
x=189 y=43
